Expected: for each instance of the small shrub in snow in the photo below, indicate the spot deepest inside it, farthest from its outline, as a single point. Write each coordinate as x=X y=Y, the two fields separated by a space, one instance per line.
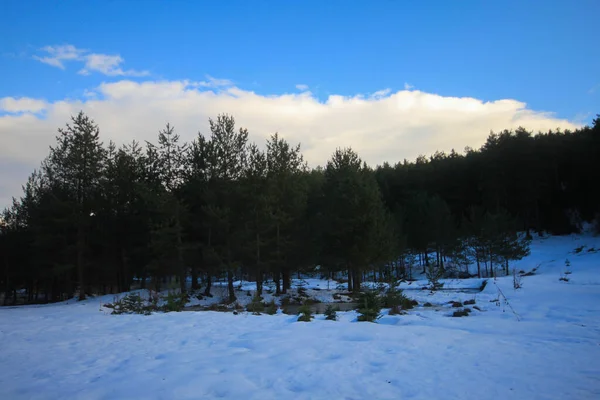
x=331 y=313
x=369 y=306
x=579 y=249
x=305 y=313
x=468 y=302
x=271 y=308
x=174 y=302
x=568 y=271
x=434 y=274
x=393 y=298
x=428 y=304
x=396 y=300
x=477 y=308
x=256 y=306
x=131 y=304
x=460 y=313
x=457 y=304
x=517 y=280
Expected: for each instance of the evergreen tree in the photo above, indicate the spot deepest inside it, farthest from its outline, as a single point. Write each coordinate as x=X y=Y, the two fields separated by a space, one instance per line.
x=353 y=216
x=167 y=161
x=75 y=166
x=227 y=158
x=287 y=195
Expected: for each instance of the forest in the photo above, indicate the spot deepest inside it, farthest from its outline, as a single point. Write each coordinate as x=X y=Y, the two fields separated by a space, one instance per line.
x=95 y=218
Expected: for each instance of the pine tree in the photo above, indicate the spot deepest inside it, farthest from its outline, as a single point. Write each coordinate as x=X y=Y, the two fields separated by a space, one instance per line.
x=287 y=195
x=76 y=166
x=227 y=158
x=168 y=164
x=353 y=216
x=258 y=212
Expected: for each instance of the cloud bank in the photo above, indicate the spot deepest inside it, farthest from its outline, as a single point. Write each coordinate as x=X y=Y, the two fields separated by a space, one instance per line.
x=382 y=126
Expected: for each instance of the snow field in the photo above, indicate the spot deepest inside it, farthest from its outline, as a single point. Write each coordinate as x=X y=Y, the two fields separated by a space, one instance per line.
x=78 y=351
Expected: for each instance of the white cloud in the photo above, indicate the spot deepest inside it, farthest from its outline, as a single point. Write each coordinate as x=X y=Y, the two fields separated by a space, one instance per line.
x=408 y=86
x=22 y=104
x=211 y=82
x=381 y=93
x=105 y=64
x=385 y=126
x=302 y=87
x=57 y=55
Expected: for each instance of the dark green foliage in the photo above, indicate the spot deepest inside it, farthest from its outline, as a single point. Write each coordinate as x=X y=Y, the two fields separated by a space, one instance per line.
x=434 y=273
x=131 y=304
x=396 y=300
x=469 y=302
x=331 y=313
x=97 y=219
x=271 y=308
x=305 y=312
x=256 y=306
x=355 y=225
x=369 y=306
x=460 y=313
x=174 y=302
x=457 y=304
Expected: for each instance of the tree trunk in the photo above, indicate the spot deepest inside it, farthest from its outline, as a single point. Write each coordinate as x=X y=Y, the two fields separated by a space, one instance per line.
x=80 y=250
x=350 y=280
x=259 y=275
x=182 y=268
x=491 y=264
x=259 y=283
x=356 y=281
x=230 y=287
x=277 y=283
x=208 y=285
x=194 y=272
x=286 y=284
x=125 y=278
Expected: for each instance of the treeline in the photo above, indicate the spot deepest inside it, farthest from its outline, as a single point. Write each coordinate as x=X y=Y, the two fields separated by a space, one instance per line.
x=95 y=218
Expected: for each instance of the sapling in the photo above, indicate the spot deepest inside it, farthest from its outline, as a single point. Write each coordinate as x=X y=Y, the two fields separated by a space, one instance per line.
x=305 y=313
x=331 y=313
x=517 y=280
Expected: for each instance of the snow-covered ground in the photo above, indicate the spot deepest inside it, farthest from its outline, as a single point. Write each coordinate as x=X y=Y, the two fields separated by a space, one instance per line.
x=548 y=348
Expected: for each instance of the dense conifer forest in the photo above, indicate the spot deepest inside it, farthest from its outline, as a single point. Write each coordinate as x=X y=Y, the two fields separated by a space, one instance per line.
x=96 y=219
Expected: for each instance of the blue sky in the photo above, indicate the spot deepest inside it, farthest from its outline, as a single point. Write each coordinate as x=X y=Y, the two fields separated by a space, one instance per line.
x=539 y=52
x=391 y=79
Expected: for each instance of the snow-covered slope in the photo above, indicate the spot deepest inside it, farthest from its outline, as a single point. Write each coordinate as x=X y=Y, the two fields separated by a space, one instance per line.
x=548 y=348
